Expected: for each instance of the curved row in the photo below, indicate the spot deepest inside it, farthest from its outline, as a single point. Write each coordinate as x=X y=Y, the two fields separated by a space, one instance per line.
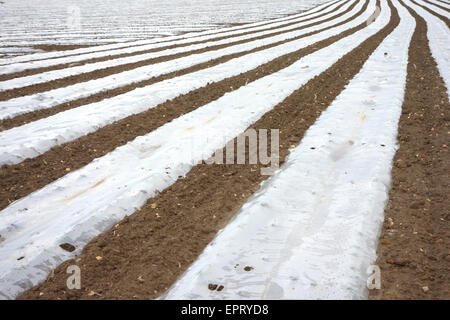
x=48 y=99
x=311 y=230
x=86 y=202
x=166 y=40
x=37 y=137
x=90 y=67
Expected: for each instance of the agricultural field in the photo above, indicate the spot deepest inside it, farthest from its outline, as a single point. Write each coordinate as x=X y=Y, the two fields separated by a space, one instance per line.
x=127 y=149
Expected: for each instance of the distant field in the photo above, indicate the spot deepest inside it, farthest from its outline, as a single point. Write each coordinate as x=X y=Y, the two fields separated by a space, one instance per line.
x=88 y=22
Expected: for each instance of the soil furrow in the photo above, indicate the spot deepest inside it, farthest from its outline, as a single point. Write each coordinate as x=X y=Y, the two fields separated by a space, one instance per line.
x=6 y=124
x=413 y=251
x=60 y=47
x=146 y=252
x=57 y=162
x=64 y=82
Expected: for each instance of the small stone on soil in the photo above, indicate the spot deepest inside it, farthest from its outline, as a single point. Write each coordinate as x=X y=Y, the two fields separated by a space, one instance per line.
x=212 y=287
x=67 y=247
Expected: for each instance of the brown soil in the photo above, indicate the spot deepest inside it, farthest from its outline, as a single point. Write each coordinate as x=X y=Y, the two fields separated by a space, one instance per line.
x=53 y=164
x=414 y=247
x=60 y=47
x=112 y=70
x=146 y=252
x=6 y=124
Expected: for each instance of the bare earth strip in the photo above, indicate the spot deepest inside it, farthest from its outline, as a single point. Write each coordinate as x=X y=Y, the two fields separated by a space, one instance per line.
x=415 y=242
x=58 y=161
x=146 y=252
